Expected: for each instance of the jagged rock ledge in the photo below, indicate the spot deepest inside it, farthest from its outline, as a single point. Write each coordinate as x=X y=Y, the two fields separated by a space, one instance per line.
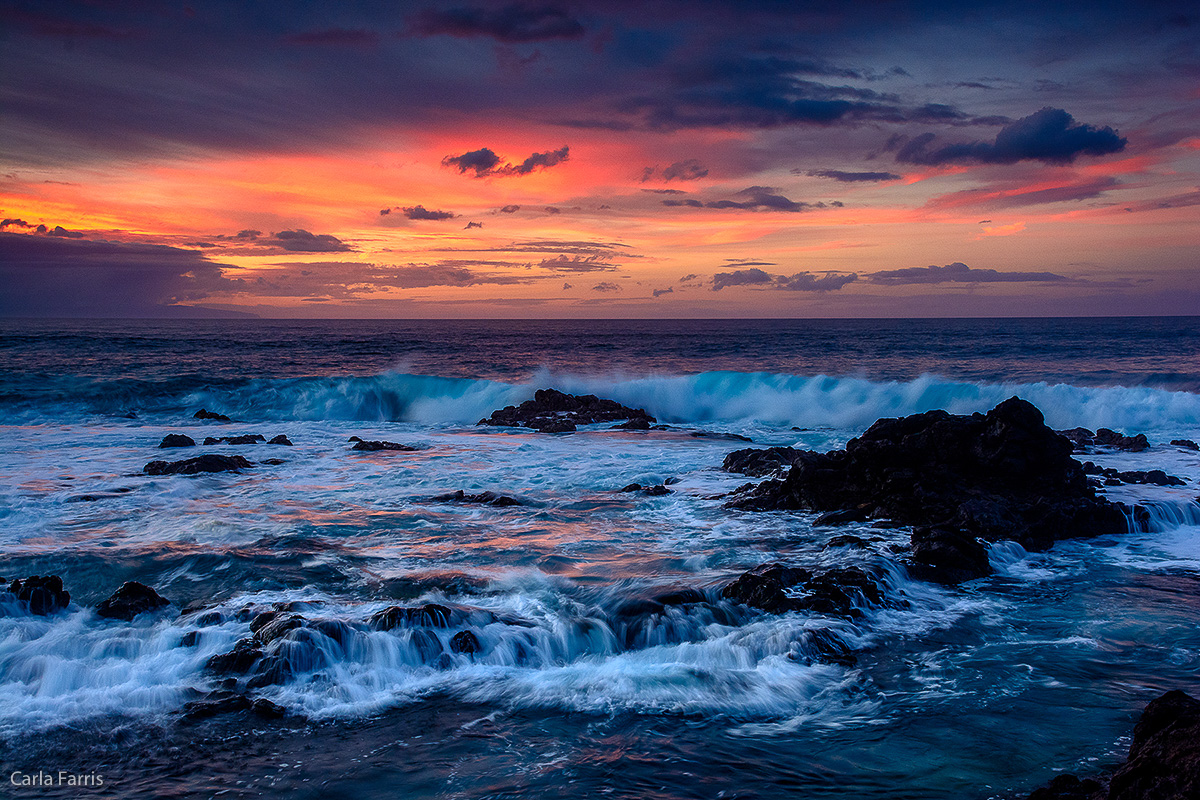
x=552 y=411
x=957 y=479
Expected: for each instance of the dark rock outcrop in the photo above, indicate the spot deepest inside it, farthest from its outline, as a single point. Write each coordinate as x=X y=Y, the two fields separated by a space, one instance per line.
x=1003 y=475
x=1186 y=444
x=221 y=701
x=1115 y=477
x=43 y=594
x=373 y=447
x=636 y=424
x=482 y=498
x=430 y=614
x=194 y=466
x=131 y=599
x=249 y=438
x=1080 y=437
x=1163 y=763
x=656 y=490
x=281 y=439
x=465 y=642
x=945 y=555
x=552 y=411
x=778 y=588
x=177 y=440
x=1111 y=438
x=756 y=463
x=206 y=414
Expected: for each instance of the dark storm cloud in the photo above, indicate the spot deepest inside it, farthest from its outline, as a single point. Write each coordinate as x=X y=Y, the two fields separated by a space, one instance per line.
x=740 y=277
x=760 y=198
x=422 y=213
x=351 y=279
x=484 y=162
x=852 y=177
x=688 y=170
x=579 y=263
x=797 y=282
x=301 y=241
x=512 y=23
x=44 y=276
x=16 y=223
x=481 y=161
x=691 y=276
x=63 y=233
x=748 y=91
x=807 y=282
x=1050 y=135
x=959 y=272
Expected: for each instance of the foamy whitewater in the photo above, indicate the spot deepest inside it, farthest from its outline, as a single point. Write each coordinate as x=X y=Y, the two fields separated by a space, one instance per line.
x=582 y=684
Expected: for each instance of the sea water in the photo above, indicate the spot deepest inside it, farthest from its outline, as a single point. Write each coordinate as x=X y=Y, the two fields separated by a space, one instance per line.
x=977 y=691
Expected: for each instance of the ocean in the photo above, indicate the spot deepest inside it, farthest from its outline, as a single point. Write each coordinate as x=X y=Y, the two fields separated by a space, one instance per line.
x=582 y=686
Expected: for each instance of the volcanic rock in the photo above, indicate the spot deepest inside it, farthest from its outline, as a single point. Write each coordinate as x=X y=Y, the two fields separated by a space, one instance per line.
x=221 y=701
x=281 y=439
x=552 y=411
x=1134 y=444
x=131 y=599
x=249 y=438
x=465 y=642
x=177 y=440
x=44 y=594
x=1003 y=475
x=484 y=498
x=756 y=463
x=1186 y=444
x=372 y=447
x=194 y=466
x=431 y=614
x=206 y=414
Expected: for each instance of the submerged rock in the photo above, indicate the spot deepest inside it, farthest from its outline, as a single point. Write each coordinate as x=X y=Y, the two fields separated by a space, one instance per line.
x=656 y=490
x=1186 y=444
x=131 y=599
x=465 y=642
x=756 y=463
x=177 y=440
x=483 y=498
x=43 y=594
x=372 y=447
x=194 y=466
x=552 y=411
x=1003 y=475
x=221 y=701
x=1163 y=763
x=249 y=438
x=430 y=614
x=206 y=414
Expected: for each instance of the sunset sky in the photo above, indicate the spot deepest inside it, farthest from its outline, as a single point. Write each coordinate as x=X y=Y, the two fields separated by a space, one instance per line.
x=599 y=159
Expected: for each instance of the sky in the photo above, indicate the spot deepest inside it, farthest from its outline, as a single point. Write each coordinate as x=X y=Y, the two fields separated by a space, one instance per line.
x=649 y=159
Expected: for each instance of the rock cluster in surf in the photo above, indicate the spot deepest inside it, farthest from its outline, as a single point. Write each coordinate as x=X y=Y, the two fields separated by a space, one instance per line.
x=957 y=479
x=552 y=411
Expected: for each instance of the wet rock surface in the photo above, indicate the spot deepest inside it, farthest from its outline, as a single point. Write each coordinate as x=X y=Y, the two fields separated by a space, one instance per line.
x=365 y=446
x=1082 y=439
x=249 y=438
x=1163 y=763
x=552 y=411
x=1186 y=444
x=211 y=415
x=41 y=594
x=656 y=490
x=131 y=599
x=177 y=440
x=194 y=466
x=778 y=588
x=1115 y=477
x=1003 y=475
x=480 y=498
x=757 y=463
